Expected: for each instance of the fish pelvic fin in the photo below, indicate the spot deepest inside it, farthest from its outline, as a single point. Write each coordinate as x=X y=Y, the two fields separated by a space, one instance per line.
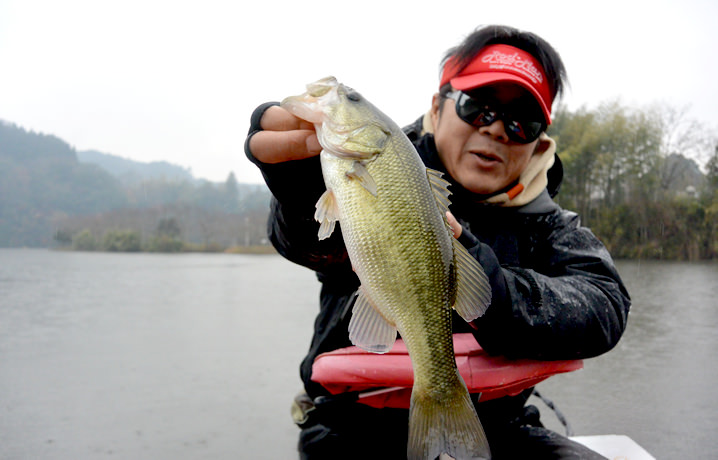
x=445 y=424
x=368 y=329
x=473 y=291
x=327 y=214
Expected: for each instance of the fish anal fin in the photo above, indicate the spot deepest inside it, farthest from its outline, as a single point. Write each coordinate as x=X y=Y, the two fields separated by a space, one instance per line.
x=368 y=329
x=327 y=214
x=359 y=173
x=473 y=293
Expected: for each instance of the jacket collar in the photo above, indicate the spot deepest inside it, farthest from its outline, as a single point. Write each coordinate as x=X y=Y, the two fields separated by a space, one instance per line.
x=550 y=174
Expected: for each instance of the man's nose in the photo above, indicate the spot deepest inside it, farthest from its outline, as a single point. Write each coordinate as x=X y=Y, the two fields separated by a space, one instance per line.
x=496 y=130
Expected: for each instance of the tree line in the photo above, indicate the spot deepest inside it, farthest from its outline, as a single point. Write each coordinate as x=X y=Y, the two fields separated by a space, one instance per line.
x=173 y=227
x=644 y=180
x=174 y=217
x=635 y=178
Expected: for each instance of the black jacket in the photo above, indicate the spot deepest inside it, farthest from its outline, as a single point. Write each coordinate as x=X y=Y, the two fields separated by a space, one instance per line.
x=555 y=291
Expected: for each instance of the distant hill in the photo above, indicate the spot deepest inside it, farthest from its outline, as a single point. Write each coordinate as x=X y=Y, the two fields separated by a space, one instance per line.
x=46 y=187
x=131 y=172
x=159 y=182
x=40 y=178
x=681 y=175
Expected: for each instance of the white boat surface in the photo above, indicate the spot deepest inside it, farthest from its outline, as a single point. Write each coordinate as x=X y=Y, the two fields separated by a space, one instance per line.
x=615 y=447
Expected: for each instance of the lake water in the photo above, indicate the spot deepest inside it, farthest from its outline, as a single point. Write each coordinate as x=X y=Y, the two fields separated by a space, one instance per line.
x=195 y=356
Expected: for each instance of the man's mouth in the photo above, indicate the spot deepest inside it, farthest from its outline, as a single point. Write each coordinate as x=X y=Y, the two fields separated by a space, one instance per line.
x=490 y=157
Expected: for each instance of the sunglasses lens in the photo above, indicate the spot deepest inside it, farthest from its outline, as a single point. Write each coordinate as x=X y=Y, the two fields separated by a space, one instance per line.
x=523 y=131
x=473 y=112
x=478 y=114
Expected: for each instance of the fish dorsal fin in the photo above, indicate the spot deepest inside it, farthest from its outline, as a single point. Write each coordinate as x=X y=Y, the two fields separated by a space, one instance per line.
x=327 y=214
x=439 y=187
x=369 y=330
x=473 y=293
x=359 y=172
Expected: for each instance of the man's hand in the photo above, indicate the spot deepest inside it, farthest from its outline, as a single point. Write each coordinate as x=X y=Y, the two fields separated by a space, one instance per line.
x=284 y=137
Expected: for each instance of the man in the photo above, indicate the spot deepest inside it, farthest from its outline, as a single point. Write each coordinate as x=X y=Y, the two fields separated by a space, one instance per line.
x=555 y=291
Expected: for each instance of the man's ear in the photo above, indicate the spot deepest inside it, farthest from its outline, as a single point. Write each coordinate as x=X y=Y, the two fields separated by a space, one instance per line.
x=435 y=110
x=543 y=144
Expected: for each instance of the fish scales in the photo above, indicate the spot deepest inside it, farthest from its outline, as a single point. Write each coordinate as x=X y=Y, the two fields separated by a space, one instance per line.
x=411 y=270
x=425 y=285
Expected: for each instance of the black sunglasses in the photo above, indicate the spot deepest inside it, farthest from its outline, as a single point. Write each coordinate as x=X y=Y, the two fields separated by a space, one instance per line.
x=520 y=129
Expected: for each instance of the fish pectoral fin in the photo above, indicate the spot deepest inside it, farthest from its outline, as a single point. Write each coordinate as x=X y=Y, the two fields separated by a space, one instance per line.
x=359 y=172
x=439 y=187
x=473 y=293
x=327 y=214
x=368 y=329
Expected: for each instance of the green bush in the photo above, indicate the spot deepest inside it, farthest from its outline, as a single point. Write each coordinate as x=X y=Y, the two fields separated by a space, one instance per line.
x=122 y=241
x=165 y=243
x=84 y=241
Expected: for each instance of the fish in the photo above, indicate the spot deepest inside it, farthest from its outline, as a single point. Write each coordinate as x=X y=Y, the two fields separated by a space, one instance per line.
x=392 y=213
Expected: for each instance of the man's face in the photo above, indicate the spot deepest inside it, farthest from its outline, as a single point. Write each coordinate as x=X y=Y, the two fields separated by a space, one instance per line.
x=483 y=160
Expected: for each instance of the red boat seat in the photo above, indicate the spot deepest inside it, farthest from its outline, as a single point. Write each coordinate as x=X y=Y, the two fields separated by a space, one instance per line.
x=352 y=369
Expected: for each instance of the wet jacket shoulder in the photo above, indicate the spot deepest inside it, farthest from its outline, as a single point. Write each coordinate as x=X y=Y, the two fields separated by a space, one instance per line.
x=559 y=297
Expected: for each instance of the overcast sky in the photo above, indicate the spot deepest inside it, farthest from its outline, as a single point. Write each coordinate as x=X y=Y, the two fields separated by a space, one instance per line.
x=177 y=81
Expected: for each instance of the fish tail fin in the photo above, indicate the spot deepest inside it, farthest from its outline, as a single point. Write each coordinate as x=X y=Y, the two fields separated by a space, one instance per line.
x=445 y=425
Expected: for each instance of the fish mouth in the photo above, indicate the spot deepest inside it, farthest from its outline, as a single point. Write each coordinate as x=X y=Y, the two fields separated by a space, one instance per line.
x=321 y=87
x=305 y=107
x=310 y=105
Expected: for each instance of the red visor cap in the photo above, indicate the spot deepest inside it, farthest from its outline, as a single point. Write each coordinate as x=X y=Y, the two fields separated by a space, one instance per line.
x=502 y=63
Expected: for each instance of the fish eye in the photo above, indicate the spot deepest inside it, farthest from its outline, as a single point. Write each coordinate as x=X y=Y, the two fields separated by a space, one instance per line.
x=353 y=96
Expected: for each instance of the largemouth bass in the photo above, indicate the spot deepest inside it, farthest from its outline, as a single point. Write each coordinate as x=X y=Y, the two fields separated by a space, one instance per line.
x=412 y=271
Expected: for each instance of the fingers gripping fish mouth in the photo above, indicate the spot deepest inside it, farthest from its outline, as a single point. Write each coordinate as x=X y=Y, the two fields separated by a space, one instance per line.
x=321 y=104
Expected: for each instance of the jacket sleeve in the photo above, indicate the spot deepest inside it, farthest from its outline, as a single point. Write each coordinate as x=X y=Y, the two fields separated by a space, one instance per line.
x=296 y=186
x=571 y=305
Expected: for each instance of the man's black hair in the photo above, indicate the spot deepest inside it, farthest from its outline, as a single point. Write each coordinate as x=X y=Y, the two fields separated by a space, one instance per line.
x=527 y=41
